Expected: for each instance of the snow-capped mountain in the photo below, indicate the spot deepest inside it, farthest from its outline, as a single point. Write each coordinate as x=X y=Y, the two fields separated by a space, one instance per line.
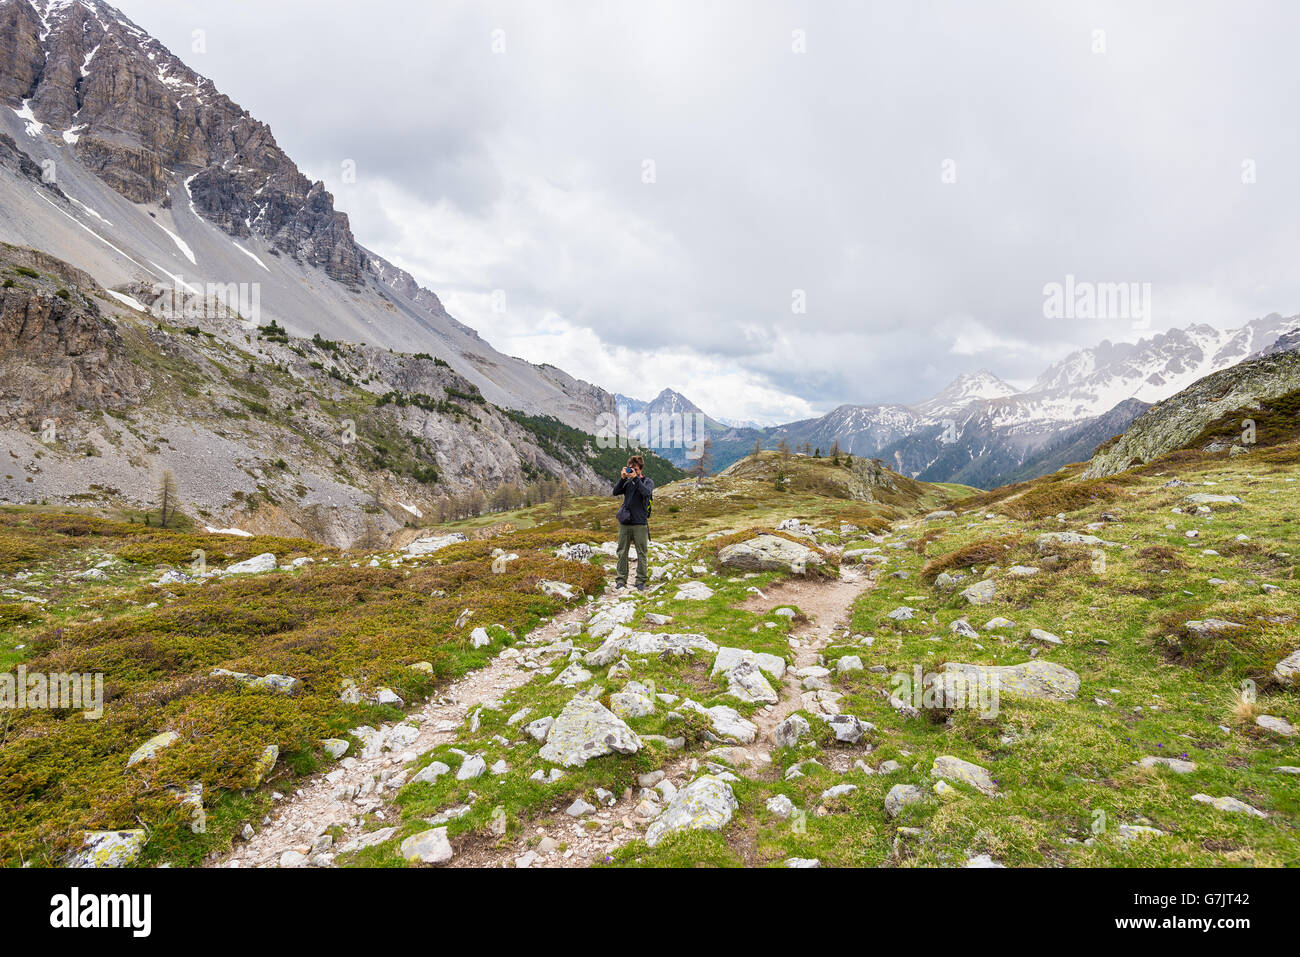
x=965 y=390
x=1092 y=381
x=666 y=402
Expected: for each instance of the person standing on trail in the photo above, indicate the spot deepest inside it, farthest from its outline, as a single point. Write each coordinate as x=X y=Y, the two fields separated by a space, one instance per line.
x=634 y=521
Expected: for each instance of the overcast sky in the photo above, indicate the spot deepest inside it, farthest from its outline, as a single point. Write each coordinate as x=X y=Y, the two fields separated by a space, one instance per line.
x=504 y=146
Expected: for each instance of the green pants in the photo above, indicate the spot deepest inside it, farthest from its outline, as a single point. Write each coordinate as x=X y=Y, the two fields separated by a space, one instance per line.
x=629 y=535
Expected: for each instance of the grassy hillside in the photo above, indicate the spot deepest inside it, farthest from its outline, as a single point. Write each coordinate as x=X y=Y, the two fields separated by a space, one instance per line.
x=1065 y=780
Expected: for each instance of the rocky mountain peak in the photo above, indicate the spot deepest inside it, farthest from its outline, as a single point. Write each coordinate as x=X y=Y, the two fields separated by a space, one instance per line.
x=158 y=133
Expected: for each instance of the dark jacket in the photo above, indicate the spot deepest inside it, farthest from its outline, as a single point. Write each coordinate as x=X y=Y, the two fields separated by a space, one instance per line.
x=636 y=493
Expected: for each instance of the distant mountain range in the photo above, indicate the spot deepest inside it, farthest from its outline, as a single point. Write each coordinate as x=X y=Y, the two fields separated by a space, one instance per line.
x=982 y=431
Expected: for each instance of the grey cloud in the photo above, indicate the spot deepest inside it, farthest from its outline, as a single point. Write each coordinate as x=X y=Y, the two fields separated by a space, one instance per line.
x=819 y=171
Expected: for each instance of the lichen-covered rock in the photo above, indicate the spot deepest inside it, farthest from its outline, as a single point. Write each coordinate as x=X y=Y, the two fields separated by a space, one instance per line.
x=1279 y=726
x=948 y=768
x=1288 y=669
x=428 y=847
x=1033 y=679
x=846 y=728
x=1052 y=539
x=540 y=728
x=770 y=553
x=552 y=589
x=584 y=730
x=1229 y=804
x=746 y=682
x=265 y=762
x=1173 y=764
x=706 y=804
x=631 y=704
x=149 y=750
x=790 y=731
x=430 y=773
x=901 y=795
x=981 y=593
x=108 y=849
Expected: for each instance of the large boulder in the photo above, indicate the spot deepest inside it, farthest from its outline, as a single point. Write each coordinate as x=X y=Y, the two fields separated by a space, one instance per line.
x=706 y=804
x=254 y=566
x=1033 y=679
x=584 y=730
x=427 y=546
x=770 y=553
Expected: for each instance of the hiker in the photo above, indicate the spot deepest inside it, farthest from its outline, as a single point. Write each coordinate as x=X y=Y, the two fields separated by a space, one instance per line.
x=634 y=521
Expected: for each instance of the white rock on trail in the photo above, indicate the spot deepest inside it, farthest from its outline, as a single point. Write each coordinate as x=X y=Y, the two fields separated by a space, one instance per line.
x=728 y=724
x=770 y=553
x=607 y=619
x=746 y=682
x=789 y=732
x=693 y=591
